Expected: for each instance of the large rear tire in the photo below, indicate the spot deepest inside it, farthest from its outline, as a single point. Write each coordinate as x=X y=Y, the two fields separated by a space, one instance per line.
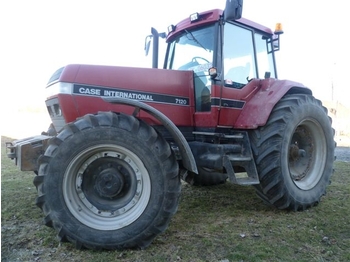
x=108 y=181
x=294 y=153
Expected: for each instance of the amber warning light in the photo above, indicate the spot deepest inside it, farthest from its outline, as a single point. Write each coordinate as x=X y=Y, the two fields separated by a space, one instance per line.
x=278 y=29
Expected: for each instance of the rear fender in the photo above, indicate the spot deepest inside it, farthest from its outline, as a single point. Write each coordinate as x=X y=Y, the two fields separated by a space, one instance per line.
x=187 y=157
x=257 y=110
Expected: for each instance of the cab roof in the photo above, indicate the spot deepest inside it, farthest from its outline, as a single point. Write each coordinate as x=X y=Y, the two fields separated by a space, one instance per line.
x=211 y=16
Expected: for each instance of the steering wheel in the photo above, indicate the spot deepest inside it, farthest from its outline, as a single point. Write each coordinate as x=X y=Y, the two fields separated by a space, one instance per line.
x=193 y=63
x=195 y=59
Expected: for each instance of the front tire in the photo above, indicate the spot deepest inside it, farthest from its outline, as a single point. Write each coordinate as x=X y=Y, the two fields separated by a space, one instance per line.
x=108 y=181
x=294 y=153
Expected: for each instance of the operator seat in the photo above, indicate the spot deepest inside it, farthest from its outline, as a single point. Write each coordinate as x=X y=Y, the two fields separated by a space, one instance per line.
x=202 y=94
x=239 y=74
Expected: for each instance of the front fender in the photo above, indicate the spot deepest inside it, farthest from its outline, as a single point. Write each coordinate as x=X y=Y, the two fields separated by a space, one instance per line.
x=187 y=157
x=257 y=110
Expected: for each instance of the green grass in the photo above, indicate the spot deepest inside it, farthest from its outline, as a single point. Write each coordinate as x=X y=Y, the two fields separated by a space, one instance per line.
x=221 y=223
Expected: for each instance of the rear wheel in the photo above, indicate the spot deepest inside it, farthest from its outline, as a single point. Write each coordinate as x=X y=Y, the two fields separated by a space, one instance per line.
x=108 y=181
x=294 y=153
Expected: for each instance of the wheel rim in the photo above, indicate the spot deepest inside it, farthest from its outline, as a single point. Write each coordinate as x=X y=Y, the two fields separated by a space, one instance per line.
x=106 y=187
x=307 y=154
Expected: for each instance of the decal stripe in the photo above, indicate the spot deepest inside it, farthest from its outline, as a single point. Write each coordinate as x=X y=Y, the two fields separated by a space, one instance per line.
x=227 y=103
x=134 y=95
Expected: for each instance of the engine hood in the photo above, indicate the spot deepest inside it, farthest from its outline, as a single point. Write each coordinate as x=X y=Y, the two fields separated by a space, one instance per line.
x=143 y=80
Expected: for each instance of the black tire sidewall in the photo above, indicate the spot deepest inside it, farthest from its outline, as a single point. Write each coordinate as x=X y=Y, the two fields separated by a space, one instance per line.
x=301 y=113
x=81 y=141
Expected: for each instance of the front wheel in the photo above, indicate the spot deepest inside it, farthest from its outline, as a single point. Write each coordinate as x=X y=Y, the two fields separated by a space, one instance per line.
x=108 y=181
x=294 y=153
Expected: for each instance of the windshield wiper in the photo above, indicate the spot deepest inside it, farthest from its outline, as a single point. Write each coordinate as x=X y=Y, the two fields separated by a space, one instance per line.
x=195 y=39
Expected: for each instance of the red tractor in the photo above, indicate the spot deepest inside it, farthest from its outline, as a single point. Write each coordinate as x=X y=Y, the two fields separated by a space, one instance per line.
x=108 y=169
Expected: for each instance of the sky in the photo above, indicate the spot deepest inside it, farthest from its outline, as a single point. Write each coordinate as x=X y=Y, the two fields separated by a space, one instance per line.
x=40 y=36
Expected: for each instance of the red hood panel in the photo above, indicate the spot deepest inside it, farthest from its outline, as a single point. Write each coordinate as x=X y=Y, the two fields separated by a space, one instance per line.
x=170 y=82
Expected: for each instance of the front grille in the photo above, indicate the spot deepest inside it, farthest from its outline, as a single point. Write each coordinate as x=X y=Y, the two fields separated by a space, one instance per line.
x=55 y=113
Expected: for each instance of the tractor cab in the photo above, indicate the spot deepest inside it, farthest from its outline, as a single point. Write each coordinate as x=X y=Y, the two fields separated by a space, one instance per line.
x=228 y=53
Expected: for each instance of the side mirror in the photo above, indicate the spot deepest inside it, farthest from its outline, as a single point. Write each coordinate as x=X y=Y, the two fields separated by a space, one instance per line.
x=233 y=10
x=147 y=44
x=155 y=37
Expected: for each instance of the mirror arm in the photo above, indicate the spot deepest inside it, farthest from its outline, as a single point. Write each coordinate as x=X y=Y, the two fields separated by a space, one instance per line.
x=155 y=47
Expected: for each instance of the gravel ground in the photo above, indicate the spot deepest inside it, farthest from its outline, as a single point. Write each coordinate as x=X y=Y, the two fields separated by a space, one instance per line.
x=342 y=154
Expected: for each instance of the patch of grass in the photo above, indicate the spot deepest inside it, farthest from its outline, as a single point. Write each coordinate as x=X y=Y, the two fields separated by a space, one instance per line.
x=220 y=223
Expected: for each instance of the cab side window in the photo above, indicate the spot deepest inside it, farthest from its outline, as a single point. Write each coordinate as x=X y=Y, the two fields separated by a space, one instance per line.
x=264 y=57
x=239 y=59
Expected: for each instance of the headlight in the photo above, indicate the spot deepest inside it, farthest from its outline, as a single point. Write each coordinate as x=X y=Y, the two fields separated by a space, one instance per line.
x=194 y=17
x=59 y=88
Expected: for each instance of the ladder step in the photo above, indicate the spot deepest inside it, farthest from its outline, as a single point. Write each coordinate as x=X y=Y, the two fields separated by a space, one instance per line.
x=240 y=158
x=237 y=136
x=247 y=181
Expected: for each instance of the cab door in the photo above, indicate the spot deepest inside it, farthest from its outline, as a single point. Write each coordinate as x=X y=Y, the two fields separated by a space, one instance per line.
x=245 y=59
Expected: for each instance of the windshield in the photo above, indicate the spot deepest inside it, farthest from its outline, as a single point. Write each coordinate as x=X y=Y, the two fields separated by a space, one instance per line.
x=192 y=50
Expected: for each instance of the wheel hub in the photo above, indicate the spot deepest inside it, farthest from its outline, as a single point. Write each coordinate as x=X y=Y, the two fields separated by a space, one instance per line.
x=106 y=187
x=299 y=158
x=109 y=183
x=306 y=155
x=295 y=152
